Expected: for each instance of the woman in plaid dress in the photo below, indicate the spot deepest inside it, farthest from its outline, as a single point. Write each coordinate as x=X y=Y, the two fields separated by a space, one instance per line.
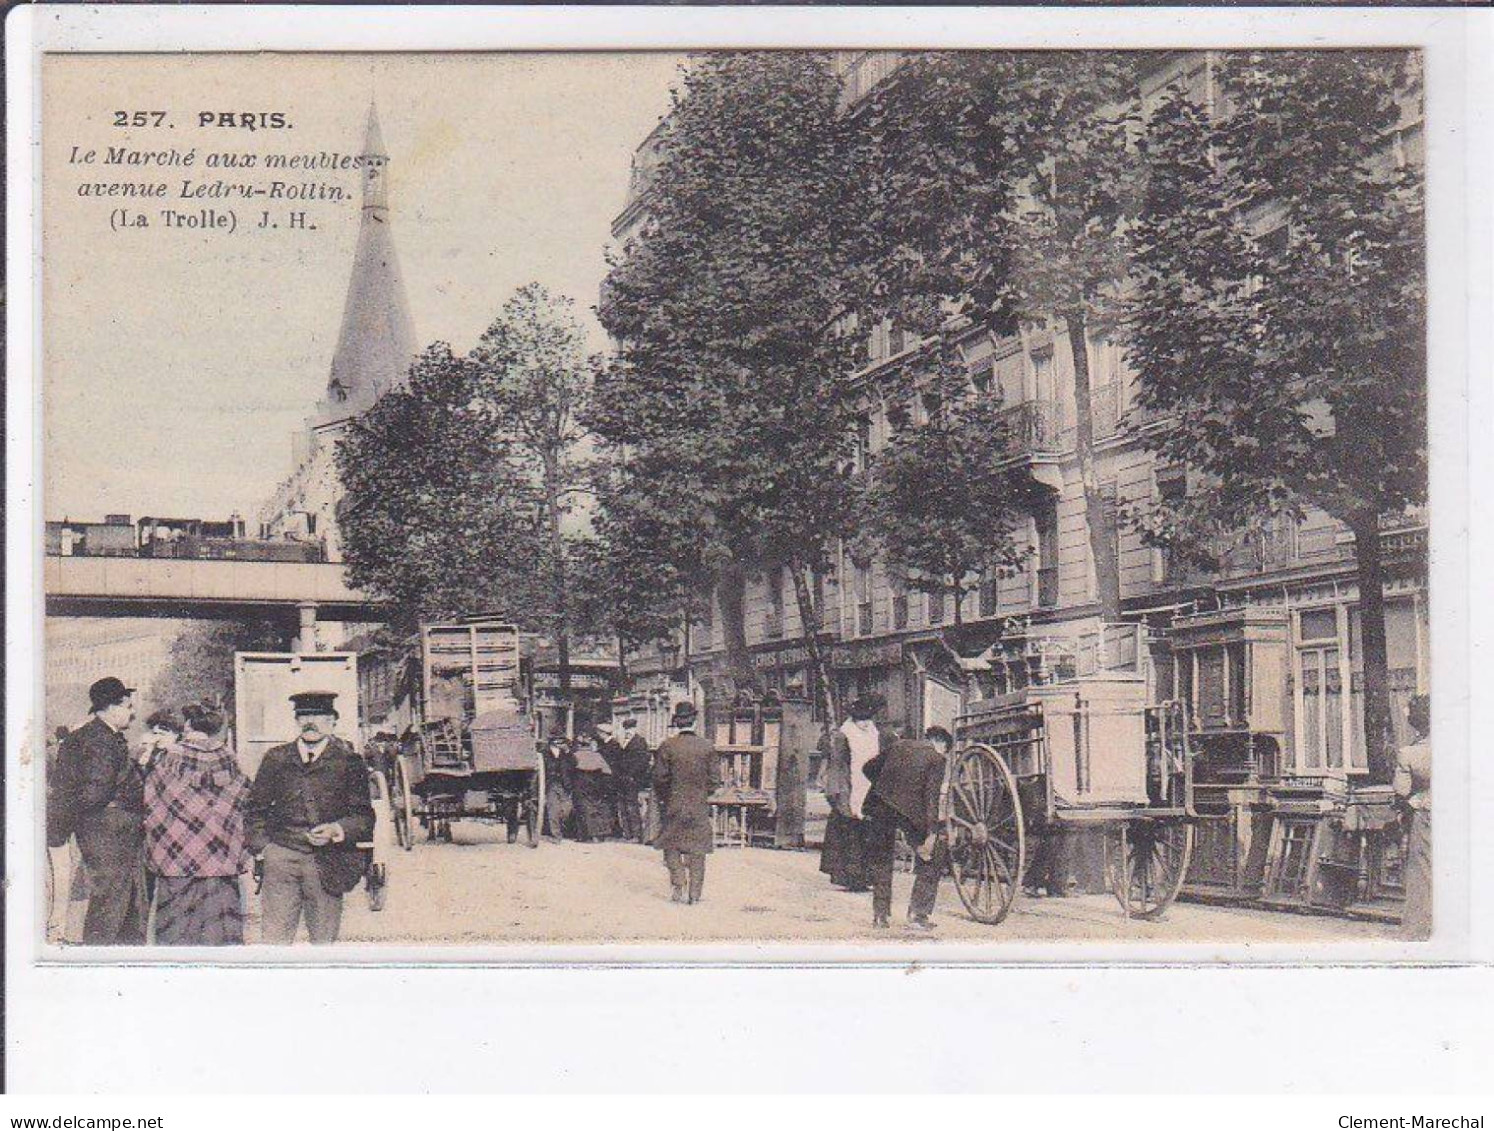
x=195 y=796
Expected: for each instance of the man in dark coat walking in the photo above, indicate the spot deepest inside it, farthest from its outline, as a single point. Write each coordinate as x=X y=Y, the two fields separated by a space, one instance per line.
x=686 y=773
x=100 y=798
x=308 y=810
x=634 y=776
x=905 y=785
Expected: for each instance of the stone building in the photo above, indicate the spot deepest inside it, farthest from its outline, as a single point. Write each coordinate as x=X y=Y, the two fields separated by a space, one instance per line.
x=1273 y=634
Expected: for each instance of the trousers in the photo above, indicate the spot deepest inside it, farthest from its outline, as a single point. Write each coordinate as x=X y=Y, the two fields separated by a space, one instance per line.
x=112 y=844
x=292 y=888
x=686 y=867
x=629 y=814
x=882 y=825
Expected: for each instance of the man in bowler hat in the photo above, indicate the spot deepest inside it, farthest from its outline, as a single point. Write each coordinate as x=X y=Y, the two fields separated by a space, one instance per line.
x=686 y=773
x=100 y=798
x=308 y=809
x=905 y=784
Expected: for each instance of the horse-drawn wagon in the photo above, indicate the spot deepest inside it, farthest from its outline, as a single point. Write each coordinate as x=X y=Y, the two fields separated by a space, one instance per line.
x=470 y=753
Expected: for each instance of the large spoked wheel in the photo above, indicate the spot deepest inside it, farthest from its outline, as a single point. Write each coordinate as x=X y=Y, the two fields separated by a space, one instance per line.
x=987 y=845
x=1148 y=861
x=534 y=804
x=402 y=805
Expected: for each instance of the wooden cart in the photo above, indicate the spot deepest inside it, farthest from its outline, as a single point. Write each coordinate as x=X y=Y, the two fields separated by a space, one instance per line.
x=1086 y=752
x=471 y=753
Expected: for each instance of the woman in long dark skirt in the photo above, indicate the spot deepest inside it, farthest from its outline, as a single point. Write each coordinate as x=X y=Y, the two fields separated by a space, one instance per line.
x=195 y=796
x=857 y=742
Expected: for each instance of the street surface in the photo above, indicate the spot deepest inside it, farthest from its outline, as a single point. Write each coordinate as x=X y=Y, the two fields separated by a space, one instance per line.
x=483 y=890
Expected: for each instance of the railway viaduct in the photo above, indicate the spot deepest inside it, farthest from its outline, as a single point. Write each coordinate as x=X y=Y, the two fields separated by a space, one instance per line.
x=299 y=593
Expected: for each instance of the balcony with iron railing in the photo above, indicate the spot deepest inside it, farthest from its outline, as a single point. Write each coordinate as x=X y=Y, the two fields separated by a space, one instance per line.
x=1035 y=428
x=1286 y=544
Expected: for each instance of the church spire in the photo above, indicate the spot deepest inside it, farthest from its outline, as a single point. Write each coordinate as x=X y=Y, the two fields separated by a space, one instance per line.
x=375 y=162
x=377 y=341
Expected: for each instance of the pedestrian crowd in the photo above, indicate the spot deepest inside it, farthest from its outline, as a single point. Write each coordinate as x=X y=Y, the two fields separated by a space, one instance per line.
x=168 y=829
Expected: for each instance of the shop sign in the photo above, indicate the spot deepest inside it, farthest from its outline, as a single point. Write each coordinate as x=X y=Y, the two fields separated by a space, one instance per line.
x=869 y=655
x=780 y=658
x=550 y=681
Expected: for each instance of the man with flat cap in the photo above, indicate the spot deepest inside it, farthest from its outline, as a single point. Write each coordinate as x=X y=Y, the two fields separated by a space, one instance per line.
x=686 y=773
x=99 y=797
x=308 y=810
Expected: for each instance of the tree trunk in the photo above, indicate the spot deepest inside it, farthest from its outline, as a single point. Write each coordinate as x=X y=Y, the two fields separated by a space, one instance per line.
x=558 y=578
x=731 y=594
x=1378 y=741
x=810 y=614
x=1102 y=548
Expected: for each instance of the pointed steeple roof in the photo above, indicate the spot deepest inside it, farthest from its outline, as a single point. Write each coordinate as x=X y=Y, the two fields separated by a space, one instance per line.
x=377 y=340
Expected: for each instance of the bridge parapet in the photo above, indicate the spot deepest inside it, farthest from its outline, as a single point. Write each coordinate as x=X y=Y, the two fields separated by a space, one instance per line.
x=84 y=586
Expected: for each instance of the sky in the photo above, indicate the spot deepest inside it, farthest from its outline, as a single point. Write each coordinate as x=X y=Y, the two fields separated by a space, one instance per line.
x=178 y=363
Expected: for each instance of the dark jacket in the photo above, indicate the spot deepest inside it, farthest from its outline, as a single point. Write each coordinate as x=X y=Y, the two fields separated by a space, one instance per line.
x=636 y=763
x=907 y=777
x=94 y=772
x=290 y=797
x=686 y=773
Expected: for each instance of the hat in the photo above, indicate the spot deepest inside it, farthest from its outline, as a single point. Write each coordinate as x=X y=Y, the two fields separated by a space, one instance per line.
x=314 y=702
x=604 y=729
x=867 y=707
x=107 y=692
x=684 y=714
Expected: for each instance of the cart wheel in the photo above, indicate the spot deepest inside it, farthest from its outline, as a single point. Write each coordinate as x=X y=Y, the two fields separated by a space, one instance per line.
x=1147 y=861
x=534 y=804
x=401 y=804
x=987 y=844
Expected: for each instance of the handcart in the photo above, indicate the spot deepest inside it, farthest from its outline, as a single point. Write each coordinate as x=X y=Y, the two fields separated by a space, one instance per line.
x=1088 y=752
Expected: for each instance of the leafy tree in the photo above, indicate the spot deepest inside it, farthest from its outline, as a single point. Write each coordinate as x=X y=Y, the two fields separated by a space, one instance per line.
x=945 y=500
x=642 y=577
x=1004 y=185
x=199 y=668
x=729 y=382
x=1279 y=314
x=438 y=515
x=534 y=378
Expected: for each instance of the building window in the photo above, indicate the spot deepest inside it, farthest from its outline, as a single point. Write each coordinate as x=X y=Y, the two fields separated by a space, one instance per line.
x=936 y=607
x=989 y=594
x=899 y=603
x=1325 y=742
x=863 y=600
x=773 y=621
x=863 y=449
x=1046 y=521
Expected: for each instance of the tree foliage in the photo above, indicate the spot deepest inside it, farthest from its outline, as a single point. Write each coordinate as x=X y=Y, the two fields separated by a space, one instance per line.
x=728 y=390
x=1279 y=317
x=946 y=502
x=199 y=667
x=534 y=379
x=439 y=515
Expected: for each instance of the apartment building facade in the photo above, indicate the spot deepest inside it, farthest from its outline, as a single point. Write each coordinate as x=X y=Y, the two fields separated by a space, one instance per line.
x=1288 y=592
